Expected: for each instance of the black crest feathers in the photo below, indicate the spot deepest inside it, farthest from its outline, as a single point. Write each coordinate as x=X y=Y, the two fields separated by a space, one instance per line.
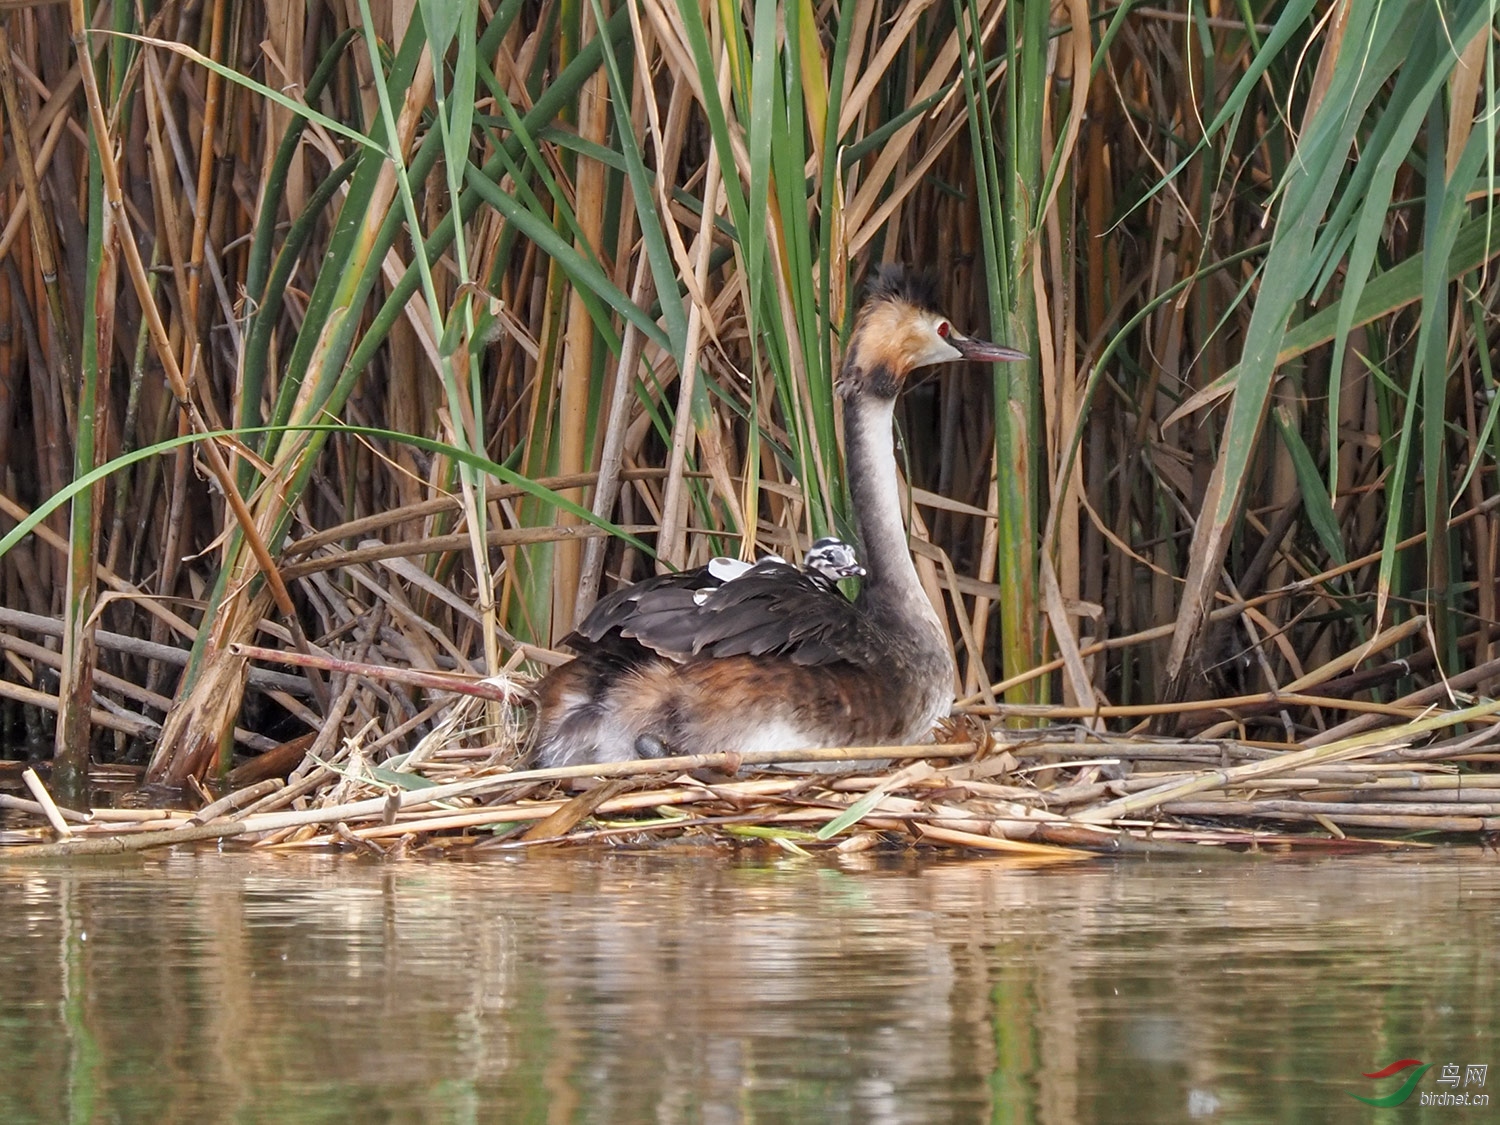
x=895 y=282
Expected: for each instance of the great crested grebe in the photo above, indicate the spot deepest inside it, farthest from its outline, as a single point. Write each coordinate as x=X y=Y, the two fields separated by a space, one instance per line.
x=775 y=657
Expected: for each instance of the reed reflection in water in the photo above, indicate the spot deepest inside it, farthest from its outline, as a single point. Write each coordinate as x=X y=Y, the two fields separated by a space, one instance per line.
x=694 y=986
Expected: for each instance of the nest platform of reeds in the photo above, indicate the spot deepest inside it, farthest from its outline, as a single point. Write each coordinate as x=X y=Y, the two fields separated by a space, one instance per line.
x=1062 y=791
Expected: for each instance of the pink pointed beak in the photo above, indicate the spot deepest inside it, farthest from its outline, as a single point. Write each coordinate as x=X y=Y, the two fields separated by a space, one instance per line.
x=974 y=348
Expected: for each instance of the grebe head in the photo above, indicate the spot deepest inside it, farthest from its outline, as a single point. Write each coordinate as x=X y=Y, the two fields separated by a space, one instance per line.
x=833 y=558
x=900 y=328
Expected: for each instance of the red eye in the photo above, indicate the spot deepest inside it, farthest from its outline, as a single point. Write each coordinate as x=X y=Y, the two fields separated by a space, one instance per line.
x=942 y=329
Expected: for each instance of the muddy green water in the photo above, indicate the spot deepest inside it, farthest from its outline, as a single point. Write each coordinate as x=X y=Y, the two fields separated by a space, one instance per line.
x=695 y=987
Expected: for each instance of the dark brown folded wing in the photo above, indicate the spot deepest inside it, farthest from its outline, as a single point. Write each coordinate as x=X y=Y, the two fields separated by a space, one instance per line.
x=770 y=610
x=611 y=614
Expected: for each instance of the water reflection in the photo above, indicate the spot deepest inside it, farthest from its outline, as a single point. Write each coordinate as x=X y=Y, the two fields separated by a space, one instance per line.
x=695 y=987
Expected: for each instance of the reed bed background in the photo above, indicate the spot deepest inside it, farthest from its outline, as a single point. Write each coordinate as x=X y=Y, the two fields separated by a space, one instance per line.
x=389 y=339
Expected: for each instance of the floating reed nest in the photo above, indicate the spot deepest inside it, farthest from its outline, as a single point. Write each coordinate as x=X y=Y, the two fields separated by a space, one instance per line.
x=1054 y=792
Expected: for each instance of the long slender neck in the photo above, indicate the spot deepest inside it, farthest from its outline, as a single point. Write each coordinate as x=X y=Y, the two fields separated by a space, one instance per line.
x=891 y=581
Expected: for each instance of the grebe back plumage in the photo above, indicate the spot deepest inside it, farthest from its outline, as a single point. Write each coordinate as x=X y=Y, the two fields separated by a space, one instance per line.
x=776 y=657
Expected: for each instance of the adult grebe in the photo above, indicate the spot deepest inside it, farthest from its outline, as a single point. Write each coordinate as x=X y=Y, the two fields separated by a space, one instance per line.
x=776 y=658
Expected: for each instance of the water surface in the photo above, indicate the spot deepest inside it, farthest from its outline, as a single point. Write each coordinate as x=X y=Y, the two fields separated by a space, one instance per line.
x=688 y=986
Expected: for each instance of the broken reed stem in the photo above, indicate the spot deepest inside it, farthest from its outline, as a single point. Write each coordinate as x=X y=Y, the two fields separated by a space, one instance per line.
x=1335 y=809
x=1345 y=815
x=1128 y=749
x=36 y=808
x=49 y=807
x=537 y=812
x=237 y=799
x=1195 y=706
x=121 y=844
x=1001 y=844
x=1338 y=751
x=412 y=677
x=495 y=492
